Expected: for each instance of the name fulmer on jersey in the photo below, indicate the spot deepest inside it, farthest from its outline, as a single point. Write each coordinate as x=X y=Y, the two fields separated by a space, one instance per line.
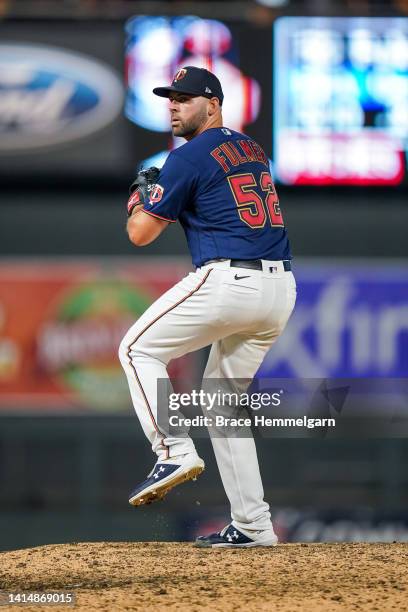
x=231 y=154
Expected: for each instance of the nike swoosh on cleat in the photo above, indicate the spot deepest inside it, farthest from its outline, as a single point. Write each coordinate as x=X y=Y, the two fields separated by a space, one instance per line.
x=240 y=277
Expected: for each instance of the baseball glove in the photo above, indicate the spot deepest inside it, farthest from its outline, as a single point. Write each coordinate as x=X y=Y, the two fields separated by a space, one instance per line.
x=141 y=187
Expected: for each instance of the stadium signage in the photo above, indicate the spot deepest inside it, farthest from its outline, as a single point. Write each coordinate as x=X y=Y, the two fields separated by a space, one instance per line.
x=51 y=96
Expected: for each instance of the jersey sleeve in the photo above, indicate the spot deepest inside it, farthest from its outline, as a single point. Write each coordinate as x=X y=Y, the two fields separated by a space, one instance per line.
x=175 y=188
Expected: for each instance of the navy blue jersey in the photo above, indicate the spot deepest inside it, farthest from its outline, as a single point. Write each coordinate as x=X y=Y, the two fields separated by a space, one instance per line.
x=219 y=187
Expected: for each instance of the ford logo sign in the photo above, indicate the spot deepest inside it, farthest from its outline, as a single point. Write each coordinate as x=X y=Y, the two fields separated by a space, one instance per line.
x=50 y=96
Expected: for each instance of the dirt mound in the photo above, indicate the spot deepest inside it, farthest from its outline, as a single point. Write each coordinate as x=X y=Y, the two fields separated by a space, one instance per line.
x=172 y=576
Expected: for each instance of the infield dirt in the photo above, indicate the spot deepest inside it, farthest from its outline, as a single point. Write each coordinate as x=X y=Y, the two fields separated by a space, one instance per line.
x=175 y=576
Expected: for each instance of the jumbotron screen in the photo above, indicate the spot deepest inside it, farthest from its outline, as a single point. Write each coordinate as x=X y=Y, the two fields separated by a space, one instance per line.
x=340 y=101
x=184 y=41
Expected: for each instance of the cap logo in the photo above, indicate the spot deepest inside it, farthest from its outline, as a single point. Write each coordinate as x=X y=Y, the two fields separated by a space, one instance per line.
x=180 y=74
x=208 y=90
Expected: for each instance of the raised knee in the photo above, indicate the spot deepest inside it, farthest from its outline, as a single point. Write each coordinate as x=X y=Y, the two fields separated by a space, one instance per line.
x=123 y=351
x=135 y=351
x=129 y=350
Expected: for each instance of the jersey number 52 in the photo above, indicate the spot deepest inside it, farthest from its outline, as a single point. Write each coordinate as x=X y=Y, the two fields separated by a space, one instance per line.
x=252 y=209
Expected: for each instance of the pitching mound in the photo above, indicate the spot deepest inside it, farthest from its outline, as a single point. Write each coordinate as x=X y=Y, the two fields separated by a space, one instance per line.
x=168 y=576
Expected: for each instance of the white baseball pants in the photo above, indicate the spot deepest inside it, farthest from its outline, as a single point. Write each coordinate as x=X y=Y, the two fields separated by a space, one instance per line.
x=241 y=318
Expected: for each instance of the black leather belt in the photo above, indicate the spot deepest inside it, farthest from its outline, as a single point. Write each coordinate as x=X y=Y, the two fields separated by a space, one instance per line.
x=251 y=264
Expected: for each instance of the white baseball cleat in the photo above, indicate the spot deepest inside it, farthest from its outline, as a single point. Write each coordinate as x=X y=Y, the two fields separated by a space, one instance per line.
x=165 y=475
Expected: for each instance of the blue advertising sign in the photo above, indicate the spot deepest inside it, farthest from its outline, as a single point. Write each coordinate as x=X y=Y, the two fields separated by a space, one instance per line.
x=350 y=320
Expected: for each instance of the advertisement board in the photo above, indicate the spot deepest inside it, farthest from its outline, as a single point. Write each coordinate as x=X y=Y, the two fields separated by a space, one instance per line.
x=350 y=320
x=61 y=102
x=76 y=99
x=61 y=325
x=325 y=97
x=60 y=329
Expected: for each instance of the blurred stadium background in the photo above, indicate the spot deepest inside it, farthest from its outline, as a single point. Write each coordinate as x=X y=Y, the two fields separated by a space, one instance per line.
x=322 y=85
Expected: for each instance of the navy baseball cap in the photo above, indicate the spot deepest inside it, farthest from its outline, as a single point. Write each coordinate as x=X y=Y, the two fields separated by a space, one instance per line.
x=194 y=81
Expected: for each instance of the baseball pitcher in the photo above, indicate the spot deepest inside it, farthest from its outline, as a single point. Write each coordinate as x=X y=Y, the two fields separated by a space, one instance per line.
x=239 y=299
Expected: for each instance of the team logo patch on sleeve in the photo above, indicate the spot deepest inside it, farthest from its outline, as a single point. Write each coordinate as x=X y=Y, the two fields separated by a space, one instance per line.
x=156 y=194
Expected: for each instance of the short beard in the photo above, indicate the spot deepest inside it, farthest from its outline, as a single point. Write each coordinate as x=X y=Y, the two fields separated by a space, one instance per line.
x=184 y=130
